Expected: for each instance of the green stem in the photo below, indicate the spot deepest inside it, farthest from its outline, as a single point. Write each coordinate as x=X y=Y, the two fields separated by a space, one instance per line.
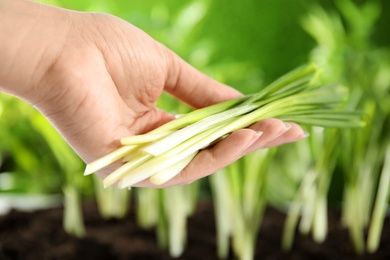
x=381 y=201
x=73 y=216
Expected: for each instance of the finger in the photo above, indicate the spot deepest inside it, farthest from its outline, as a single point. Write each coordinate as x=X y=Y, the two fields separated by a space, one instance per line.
x=212 y=159
x=275 y=133
x=295 y=133
x=217 y=157
x=193 y=87
x=272 y=128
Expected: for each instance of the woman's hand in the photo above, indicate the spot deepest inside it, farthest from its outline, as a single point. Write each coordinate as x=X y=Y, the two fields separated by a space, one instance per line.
x=97 y=79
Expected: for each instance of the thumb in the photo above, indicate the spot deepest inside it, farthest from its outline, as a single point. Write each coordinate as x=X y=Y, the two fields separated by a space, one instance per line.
x=192 y=86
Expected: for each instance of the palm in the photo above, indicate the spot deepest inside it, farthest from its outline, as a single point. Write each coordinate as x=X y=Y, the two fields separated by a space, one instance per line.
x=113 y=83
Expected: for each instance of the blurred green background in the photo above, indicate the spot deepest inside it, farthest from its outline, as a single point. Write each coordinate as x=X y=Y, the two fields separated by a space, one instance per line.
x=245 y=44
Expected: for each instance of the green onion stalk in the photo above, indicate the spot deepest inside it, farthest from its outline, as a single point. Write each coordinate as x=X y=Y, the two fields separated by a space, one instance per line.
x=362 y=162
x=70 y=166
x=310 y=202
x=167 y=210
x=163 y=152
x=296 y=208
x=358 y=161
x=73 y=217
x=239 y=193
x=381 y=204
x=147 y=207
x=113 y=203
x=179 y=204
x=347 y=54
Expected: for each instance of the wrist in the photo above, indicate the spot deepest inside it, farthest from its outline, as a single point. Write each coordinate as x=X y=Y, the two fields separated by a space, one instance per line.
x=33 y=36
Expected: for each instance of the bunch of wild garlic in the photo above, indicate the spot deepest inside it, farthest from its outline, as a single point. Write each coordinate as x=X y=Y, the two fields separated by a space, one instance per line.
x=163 y=152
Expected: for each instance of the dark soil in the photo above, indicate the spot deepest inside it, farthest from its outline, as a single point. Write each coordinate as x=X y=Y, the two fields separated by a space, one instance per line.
x=39 y=235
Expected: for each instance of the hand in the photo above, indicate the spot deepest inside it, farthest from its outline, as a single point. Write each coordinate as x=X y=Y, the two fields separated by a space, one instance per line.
x=100 y=79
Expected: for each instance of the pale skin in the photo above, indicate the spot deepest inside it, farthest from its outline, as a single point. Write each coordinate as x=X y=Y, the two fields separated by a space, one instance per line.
x=97 y=79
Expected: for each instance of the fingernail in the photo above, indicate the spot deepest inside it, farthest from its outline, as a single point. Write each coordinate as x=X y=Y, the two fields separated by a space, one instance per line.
x=257 y=136
x=305 y=134
x=254 y=138
x=259 y=133
x=288 y=126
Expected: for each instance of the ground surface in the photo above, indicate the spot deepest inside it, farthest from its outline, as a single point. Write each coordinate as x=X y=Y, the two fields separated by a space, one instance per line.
x=39 y=235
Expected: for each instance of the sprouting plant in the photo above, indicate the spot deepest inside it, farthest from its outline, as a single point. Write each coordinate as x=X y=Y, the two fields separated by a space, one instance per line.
x=111 y=201
x=239 y=193
x=346 y=52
